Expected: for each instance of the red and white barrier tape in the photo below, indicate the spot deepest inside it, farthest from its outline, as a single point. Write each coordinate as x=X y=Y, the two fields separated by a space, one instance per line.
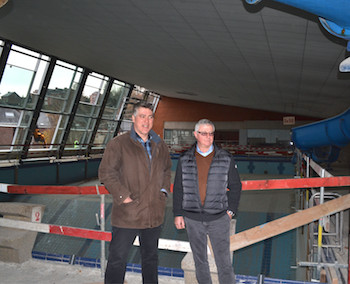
x=85 y=233
x=246 y=185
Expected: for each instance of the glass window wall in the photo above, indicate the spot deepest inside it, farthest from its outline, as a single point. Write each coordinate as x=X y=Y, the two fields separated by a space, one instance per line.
x=112 y=114
x=64 y=117
x=19 y=88
x=88 y=109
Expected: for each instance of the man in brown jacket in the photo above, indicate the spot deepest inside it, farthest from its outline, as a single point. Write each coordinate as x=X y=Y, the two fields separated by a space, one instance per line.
x=135 y=169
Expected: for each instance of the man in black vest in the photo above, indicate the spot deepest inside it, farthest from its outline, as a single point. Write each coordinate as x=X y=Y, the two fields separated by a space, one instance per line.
x=207 y=191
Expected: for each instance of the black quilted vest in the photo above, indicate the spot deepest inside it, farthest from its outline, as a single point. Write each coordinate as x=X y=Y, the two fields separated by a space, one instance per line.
x=216 y=198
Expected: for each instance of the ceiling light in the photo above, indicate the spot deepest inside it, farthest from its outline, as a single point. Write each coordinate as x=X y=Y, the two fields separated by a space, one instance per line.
x=345 y=65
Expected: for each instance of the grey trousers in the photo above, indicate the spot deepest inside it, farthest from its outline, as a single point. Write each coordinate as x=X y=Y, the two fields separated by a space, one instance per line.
x=219 y=235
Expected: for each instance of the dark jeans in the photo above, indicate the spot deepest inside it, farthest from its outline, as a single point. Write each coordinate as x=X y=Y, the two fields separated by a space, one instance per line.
x=122 y=240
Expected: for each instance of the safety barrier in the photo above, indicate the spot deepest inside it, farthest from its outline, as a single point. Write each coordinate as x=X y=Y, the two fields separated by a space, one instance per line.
x=168 y=244
x=163 y=244
x=246 y=185
x=297 y=183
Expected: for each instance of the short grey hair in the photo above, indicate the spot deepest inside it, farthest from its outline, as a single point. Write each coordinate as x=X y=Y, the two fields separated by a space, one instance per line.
x=143 y=104
x=203 y=121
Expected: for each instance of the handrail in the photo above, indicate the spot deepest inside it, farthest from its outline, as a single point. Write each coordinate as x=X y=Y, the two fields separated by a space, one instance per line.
x=268 y=184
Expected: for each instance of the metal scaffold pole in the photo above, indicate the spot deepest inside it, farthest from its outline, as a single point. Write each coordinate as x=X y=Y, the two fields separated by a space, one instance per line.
x=102 y=225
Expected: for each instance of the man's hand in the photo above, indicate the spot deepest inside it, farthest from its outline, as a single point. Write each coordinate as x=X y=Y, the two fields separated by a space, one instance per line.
x=128 y=200
x=179 y=222
x=230 y=214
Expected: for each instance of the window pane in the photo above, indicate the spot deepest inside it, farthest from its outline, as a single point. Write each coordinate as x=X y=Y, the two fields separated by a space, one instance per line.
x=94 y=87
x=80 y=123
x=138 y=93
x=136 y=96
x=114 y=102
x=125 y=126
x=64 y=76
x=20 y=136
x=76 y=140
x=110 y=113
x=14 y=86
x=61 y=126
x=80 y=132
x=105 y=132
x=54 y=105
x=9 y=119
x=130 y=108
x=22 y=77
x=92 y=95
x=23 y=58
x=153 y=99
x=116 y=95
x=47 y=125
x=26 y=118
x=62 y=88
x=100 y=139
x=128 y=112
x=85 y=109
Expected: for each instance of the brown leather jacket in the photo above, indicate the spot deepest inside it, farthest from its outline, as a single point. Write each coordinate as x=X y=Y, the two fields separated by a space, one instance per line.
x=126 y=171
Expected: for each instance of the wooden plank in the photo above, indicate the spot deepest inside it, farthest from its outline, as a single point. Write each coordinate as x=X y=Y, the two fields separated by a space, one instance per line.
x=55 y=189
x=323 y=276
x=287 y=223
x=295 y=183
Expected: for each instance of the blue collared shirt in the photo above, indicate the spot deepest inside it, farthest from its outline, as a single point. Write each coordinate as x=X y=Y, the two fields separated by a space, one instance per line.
x=148 y=148
x=211 y=149
x=146 y=145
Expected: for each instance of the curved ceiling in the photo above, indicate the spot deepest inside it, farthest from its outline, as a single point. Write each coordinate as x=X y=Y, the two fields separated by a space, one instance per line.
x=268 y=57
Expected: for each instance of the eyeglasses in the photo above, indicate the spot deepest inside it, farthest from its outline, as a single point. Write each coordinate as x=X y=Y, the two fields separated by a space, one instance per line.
x=205 y=134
